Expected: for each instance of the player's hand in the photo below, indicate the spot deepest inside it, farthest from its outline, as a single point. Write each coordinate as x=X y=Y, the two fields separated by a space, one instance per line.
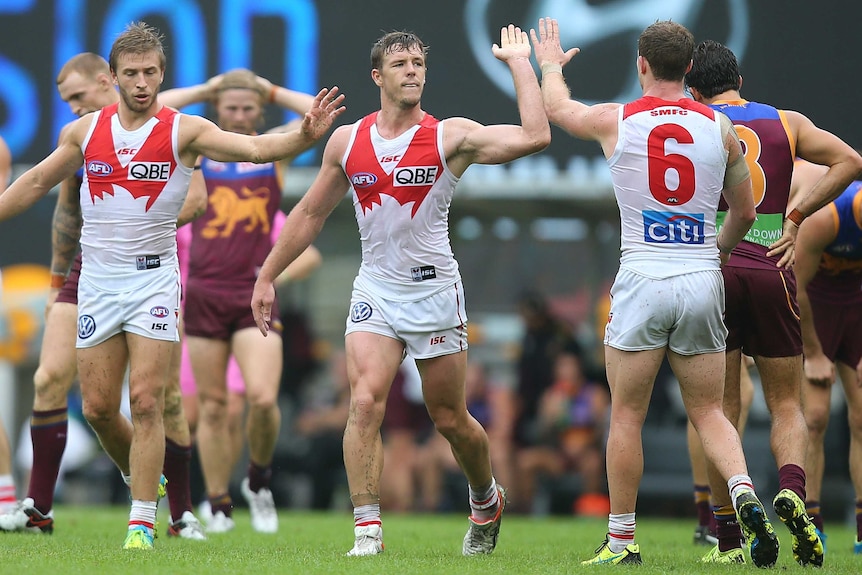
x=786 y=246
x=819 y=370
x=326 y=107
x=513 y=44
x=547 y=45
x=261 y=304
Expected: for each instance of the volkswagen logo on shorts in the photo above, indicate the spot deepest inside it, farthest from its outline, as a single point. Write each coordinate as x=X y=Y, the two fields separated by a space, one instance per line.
x=607 y=34
x=86 y=326
x=360 y=312
x=159 y=311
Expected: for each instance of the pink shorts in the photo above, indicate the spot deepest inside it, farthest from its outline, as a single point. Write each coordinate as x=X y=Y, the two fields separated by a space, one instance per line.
x=235 y=383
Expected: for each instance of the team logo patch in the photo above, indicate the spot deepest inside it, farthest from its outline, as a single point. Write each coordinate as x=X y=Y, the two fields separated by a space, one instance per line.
x=363 y=180
x=99 y=169
x=159 y=311
x=673 y=228
x=360 y=311
x=86 y=326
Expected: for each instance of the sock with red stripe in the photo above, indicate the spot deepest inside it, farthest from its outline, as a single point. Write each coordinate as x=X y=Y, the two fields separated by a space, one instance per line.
x=738 y=484
x=484 y=502
x=621 y=531
x=7 y=491
x=143 y=513
x=364 y=515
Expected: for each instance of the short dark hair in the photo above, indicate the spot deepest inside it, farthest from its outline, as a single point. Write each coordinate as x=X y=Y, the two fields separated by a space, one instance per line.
x=667 y=46
x=714 y=69
x=395 y=41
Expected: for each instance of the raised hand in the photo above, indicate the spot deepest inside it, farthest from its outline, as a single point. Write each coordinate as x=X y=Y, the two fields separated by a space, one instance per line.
x=326 y=107
x=547 y=44
x=513 y=44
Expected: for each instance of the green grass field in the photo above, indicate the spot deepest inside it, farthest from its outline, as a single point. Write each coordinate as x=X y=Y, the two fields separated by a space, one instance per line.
x=88 y=540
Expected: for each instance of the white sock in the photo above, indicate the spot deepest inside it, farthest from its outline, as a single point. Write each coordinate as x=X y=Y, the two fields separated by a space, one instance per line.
x=621 y=531
x=364 y=515
x=484 y=503
x=143 y=513
x=739 y=484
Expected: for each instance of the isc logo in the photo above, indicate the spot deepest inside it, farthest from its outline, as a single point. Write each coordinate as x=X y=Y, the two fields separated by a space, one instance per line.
x=672 y=228
x=414 y=176
x=363 y=180
x=150 y=171
x=97 y=168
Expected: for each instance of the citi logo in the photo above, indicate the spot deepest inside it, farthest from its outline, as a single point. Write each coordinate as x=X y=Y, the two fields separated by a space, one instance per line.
x=363 y=180
x=159 y=311
x=673 y=228
x=99 y=168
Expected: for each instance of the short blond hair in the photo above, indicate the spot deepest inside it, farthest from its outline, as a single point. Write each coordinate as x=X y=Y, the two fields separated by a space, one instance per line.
x=86 y=64
x=241 y=79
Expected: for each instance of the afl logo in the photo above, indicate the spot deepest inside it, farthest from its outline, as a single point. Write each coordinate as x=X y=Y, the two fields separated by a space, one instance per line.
x=363 y=180
x=86 y=326
x=97 y=168
x=159 y=311
x=360 y=312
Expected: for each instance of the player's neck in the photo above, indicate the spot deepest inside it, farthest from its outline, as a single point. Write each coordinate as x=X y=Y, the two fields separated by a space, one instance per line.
x=728 y=96
x=132 y=120
x=393 y=121
x=663 y=89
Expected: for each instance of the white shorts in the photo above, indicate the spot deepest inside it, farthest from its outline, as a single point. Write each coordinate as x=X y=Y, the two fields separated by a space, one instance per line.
x=683 y=313
x=431 y=327
x=150 y=312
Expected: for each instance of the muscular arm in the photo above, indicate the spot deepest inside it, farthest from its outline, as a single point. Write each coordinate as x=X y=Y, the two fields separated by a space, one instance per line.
x=824 y=148
x=66 y=226
x=737 y=193
x=38 y=180
x=467 y=142
x=302 y=225
x=597 y=122
x=292 y=100
x=200 y=137
x=815 y=233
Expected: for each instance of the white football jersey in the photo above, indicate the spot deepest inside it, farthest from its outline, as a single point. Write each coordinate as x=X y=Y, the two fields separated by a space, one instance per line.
x=668 y=173
x=402 y=190
x=133 y=188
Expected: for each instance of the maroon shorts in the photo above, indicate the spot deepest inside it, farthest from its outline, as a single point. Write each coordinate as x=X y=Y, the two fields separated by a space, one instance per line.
x=838 y=327
x=69 y=292
x=761 y=312
x=219 y=312
x=401 y=413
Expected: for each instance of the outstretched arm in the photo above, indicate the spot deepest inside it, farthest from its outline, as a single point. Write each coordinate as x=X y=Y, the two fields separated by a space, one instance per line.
x=597 y=122
x=468 y=142
x=201 y=137
x=302 y=225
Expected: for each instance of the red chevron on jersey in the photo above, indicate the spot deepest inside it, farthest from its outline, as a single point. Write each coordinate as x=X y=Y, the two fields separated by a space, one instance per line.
x=142 y=169
x=416 y=171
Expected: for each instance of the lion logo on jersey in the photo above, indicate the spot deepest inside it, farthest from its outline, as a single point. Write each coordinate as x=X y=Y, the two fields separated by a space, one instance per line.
x=231 y=209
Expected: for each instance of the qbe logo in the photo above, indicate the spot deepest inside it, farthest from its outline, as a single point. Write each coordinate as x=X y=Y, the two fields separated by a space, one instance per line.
x=414 y=176
x=672 y=228
x=150 y=171
x=86 y=326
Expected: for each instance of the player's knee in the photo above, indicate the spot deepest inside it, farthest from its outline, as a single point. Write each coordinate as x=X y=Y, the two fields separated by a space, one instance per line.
x=366 y=409
x=51 y=388
x=447 y=421
x=144 y=404
x=261 y=400
x=97 y=412
x=854 y=420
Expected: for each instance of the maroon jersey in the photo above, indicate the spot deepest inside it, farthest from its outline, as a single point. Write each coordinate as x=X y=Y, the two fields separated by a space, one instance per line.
x=769 y=149
x=232 y=239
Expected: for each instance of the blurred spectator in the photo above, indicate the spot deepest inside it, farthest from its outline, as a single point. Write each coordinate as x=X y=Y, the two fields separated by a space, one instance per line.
x=572 y=420
x=544 y=338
